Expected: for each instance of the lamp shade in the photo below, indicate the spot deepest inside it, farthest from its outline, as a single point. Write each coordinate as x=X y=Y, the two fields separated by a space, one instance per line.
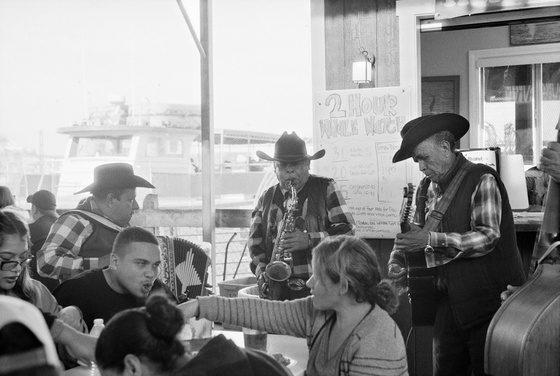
x=361 y=72
x=512 y=173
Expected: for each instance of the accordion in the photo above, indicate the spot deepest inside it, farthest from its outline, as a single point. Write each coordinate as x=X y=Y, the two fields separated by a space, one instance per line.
x=184 y=267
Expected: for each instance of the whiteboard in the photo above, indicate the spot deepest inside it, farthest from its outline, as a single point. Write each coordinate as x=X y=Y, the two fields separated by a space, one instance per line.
x=360 y=131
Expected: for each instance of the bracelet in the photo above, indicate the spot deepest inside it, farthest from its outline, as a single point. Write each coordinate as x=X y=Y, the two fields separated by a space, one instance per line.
x=429 y=249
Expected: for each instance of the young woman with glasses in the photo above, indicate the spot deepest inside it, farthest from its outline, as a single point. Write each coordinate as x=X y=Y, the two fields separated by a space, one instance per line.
x=14 y=258
x=15 y=281
x=15 y=278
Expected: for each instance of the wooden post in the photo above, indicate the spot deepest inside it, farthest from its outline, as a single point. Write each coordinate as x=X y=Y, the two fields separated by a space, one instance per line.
x=207 y=131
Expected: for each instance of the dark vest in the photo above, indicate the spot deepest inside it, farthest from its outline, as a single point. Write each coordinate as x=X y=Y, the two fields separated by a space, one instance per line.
x=312 y=201
x=100 y=242
x=474 y=284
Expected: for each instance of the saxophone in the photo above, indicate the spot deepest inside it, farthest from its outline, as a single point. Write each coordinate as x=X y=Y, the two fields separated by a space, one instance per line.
x=279 y=269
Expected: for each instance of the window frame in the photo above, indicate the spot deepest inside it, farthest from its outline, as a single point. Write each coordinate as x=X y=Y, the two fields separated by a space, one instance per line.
x=523 y=55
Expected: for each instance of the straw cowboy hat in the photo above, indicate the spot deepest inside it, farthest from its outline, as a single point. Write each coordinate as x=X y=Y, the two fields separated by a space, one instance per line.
x=115 y=176
x=290 y=148
x=419 y=129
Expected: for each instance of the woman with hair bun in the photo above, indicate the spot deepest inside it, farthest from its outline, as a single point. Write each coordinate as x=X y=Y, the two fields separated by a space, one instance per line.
x=143 y=342
x=142 y=337
x=346 y=320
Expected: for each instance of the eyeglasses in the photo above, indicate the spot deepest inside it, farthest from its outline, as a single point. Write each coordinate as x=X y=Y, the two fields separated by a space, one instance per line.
x=9 y=265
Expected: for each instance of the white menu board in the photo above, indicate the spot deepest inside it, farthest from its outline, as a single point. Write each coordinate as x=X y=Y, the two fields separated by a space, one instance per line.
x=360 y=131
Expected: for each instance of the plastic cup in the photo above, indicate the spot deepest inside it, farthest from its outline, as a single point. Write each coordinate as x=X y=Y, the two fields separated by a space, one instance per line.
x=196 y=333
x=255 y=339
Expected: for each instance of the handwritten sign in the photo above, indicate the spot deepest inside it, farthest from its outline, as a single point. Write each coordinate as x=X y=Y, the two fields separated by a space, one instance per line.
x=360 y=131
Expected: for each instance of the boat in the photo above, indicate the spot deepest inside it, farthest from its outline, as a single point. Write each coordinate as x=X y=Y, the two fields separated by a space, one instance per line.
x=162 y=143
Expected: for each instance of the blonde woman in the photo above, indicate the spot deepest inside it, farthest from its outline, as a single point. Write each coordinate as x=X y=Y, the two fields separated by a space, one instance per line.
x=346 y=320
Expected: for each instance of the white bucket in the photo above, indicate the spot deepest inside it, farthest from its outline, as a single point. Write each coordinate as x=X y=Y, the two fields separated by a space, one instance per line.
x=249 y=292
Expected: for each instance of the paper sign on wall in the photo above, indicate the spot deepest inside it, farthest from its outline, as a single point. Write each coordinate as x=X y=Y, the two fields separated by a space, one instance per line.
x=360 y=131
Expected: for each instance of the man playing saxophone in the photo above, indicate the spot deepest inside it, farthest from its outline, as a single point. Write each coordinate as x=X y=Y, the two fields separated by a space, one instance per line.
x=284 y=229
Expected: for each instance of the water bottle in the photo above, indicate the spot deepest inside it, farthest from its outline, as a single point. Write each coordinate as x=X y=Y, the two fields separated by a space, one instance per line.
x=95 y=331
x=97 y=328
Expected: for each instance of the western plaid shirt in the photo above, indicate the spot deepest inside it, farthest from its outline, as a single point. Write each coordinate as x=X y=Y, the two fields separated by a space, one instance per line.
x=60 y=255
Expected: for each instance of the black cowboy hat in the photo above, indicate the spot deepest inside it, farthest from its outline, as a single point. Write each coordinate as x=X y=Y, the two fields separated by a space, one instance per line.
x=290 y=148
x=419 y=129
x=115 y=176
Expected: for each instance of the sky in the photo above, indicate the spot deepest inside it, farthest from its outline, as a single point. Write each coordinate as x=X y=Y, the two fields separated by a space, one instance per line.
x=60 y=58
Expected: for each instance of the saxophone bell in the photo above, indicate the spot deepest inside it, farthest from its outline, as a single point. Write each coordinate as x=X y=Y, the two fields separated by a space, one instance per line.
x=278 y=271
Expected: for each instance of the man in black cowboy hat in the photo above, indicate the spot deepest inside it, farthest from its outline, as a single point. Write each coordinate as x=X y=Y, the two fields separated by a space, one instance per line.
x=471 y=249
x=320 y=212
x=82 y=239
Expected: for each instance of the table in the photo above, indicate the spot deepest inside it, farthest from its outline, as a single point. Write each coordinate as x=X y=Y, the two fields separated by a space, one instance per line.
x=81 y=371
x=291 y=347
x=526 y=221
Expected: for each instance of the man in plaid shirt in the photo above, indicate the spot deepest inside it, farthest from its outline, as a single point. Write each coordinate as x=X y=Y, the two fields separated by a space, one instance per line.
x=473 y=250
x=321 y=212
x=82 y=239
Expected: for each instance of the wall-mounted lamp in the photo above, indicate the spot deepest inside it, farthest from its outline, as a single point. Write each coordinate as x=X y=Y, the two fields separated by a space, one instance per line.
x=362 y=69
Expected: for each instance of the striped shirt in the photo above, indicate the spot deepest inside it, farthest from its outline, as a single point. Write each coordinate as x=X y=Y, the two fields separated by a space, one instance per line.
x=374 y=347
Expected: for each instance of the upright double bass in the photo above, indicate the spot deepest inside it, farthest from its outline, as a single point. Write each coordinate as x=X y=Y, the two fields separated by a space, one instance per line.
x=524 y=336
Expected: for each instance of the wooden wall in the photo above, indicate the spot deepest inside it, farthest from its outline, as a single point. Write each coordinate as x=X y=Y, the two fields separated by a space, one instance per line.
x=351 y=24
